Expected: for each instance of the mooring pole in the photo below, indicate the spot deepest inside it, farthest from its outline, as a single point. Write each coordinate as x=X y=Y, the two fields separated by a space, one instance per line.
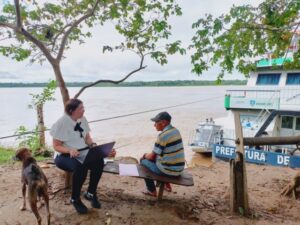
x=238 y=180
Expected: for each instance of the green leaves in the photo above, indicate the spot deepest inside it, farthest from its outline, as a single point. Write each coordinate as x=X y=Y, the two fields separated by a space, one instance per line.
x=54 y=26
x=245 y=34
x=16 y=53
x=46 y=95
x=3 y=19
x=159 y=26
x=144 y=26
x=9 y=8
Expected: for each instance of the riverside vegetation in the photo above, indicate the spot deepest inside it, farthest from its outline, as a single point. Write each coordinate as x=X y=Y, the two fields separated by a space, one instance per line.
x=136 y=83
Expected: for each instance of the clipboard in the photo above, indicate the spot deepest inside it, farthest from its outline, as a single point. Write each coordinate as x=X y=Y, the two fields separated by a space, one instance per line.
x=98 y=152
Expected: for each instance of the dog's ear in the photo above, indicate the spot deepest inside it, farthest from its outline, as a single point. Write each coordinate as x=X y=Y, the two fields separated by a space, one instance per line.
x=19 y=154
x=22 y=152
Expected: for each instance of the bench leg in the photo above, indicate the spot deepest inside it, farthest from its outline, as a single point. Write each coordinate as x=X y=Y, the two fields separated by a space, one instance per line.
x=161 y=191
x=68 y=179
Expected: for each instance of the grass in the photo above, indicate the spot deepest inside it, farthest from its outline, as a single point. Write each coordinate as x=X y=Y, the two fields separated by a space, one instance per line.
x=7 y=154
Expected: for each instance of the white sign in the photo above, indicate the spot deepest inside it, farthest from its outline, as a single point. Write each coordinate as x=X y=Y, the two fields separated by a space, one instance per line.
x=255 y=103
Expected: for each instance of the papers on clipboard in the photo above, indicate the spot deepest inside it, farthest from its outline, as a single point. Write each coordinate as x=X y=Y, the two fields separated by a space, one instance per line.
x=108 y=160
x=128 y=170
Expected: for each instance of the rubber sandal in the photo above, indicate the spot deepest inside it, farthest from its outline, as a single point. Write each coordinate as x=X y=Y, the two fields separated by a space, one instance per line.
x=149 y=193
x=168 y=187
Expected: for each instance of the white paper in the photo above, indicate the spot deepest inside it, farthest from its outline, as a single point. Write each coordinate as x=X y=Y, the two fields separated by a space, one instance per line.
x=128 y=170
x=108 y=160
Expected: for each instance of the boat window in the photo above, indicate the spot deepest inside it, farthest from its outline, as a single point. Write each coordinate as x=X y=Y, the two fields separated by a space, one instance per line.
x=297 y=123
x=293 y=79
x=268 y=79
x=287 y=122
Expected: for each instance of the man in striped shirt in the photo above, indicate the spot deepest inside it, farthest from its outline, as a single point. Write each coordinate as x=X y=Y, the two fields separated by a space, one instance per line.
x=167 y=157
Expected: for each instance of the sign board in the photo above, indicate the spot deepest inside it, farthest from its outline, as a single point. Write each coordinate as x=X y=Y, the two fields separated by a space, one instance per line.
x=254 y=103
x=258 y=156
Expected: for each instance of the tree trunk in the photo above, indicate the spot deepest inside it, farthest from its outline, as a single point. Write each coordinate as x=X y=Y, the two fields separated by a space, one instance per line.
x=41 y=125
x=61 y=83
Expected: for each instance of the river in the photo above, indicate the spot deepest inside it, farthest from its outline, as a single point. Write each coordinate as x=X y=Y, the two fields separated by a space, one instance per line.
x=133 y=134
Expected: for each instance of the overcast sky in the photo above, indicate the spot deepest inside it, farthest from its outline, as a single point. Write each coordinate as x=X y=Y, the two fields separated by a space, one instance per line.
x=87 y=63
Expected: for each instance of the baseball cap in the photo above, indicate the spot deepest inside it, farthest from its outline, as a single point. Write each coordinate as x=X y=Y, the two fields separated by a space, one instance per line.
x=162 y=116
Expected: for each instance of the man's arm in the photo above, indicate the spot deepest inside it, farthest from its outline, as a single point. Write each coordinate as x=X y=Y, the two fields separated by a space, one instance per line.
x=150 y=156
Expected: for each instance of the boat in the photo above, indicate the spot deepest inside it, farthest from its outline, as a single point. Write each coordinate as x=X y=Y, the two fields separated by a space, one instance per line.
x=206 y=135
x=269 y=105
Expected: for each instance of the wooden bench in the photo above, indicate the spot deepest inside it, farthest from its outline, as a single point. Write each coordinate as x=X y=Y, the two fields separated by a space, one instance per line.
x=185 y=179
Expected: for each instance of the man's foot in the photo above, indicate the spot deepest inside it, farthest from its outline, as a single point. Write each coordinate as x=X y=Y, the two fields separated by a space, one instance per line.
x=168 y=187
x=79 y=206
x=93 y=199
x=152 y=194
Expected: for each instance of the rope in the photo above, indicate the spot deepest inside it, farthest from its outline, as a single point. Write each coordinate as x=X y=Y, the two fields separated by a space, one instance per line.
x=120 y=116
x=151 y=110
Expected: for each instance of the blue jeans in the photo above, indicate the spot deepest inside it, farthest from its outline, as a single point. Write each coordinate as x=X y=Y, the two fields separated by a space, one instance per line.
x=65 y=162
x=151 y=165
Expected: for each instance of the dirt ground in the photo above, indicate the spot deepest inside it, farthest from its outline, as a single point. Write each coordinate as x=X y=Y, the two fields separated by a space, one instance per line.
x=207 y=202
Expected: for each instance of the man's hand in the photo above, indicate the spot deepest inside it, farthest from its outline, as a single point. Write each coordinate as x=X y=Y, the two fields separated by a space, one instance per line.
x=74 y=153
x=112 y=153
x=150 y=156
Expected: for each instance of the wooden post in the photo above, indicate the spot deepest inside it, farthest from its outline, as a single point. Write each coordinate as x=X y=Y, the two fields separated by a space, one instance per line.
x=238 y=180
x=68 y=179
x=161 y=191
x=41 y=125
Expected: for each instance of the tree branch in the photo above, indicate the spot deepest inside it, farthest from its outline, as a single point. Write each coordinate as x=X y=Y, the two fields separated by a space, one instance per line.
x=75 y=24
x=18 y=15
x=19 y=29
x=258 y=26
x=8 y=25
x=55 y=38
x=31 y=38
x=141 y=67
x=39 y=44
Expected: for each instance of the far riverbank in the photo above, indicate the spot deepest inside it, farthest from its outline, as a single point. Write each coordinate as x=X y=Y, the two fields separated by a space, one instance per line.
x=176 y=83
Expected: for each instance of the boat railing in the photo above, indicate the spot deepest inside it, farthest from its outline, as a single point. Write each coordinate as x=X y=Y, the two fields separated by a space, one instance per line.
x=262 y=98
x=290 y=97
x=253 y=93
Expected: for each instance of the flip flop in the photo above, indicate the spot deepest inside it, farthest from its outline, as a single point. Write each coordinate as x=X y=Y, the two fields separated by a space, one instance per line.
x=149 y=193
x=168 y=187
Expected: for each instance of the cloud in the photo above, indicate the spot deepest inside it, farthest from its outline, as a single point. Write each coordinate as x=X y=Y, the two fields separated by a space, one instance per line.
x=87 y=62
x=5 y=75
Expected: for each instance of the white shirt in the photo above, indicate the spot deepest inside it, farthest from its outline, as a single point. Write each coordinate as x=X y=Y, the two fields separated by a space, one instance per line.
x=63 y=130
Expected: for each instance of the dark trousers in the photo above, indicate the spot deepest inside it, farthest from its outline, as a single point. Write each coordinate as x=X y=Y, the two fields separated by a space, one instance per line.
x=65 y=162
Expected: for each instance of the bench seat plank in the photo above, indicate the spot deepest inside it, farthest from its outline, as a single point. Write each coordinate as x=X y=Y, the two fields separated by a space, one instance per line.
x=185 y=179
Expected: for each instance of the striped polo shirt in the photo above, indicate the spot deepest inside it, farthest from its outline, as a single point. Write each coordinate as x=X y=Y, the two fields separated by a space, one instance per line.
x=169 y=150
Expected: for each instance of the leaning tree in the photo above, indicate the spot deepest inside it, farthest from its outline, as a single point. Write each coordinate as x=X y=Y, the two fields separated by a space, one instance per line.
x=235 y=40
x=42 y=31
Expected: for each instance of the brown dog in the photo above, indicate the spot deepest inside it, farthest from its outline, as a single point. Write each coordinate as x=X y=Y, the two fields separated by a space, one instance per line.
x=33 y=176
